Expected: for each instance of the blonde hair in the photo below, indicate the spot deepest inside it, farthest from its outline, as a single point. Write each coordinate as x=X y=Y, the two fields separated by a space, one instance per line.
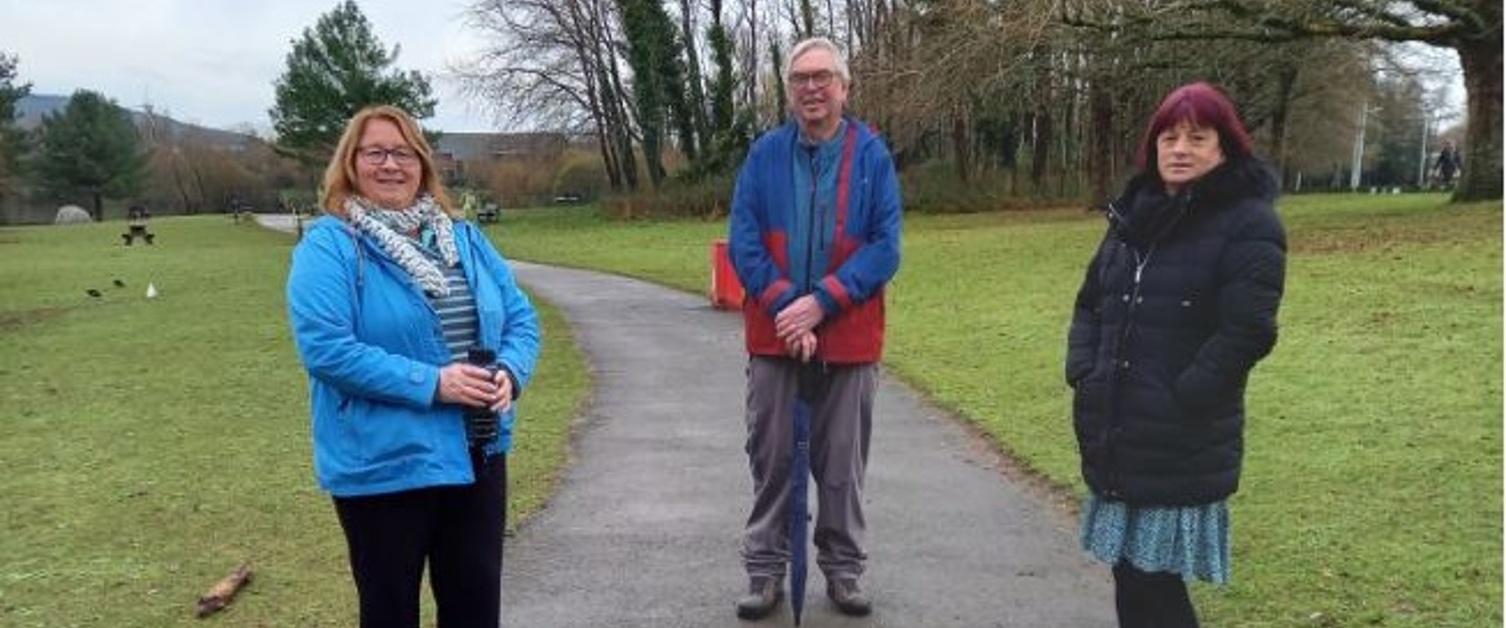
x=340 y=175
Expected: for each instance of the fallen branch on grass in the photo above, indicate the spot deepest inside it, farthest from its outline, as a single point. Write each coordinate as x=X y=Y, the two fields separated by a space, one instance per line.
x=222 y=592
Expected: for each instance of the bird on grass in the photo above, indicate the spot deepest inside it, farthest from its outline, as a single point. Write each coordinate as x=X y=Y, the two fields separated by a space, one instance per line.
x=92 y=292
x=119 y=283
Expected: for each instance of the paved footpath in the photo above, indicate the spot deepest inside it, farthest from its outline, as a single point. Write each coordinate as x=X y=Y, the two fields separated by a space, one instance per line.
x=645 y=529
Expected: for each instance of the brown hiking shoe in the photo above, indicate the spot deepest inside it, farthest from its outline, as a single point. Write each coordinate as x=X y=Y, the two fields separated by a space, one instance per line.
x=849 y=598
x=763 y=595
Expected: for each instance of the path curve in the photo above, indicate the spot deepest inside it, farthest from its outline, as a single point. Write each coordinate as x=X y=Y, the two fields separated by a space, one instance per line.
x=645 y=528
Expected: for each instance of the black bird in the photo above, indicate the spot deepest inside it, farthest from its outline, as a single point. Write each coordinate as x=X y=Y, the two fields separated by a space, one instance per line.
x=119 y=283
x=92 y=292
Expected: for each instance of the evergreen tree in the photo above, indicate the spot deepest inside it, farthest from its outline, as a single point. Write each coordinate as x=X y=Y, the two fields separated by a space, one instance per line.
x=11 y=137
x=91 y=149
x=658 y=81
x=337 y=68
x=731 y=127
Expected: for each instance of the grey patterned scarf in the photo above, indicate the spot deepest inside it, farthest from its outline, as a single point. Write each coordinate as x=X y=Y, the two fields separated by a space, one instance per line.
x=387 y=226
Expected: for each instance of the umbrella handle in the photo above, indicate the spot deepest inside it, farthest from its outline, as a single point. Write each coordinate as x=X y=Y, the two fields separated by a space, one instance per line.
x=812 y=381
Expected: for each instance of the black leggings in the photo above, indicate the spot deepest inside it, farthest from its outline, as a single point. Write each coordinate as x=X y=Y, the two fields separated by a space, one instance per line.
x=457 y=530
x=1151 y=600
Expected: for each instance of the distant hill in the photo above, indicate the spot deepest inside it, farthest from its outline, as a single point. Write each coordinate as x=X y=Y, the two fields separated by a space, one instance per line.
x=31 y=108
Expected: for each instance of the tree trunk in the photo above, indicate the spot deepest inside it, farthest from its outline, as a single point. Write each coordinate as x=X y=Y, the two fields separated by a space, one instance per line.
x=178 y=182
x=1286 y=81
x=615 y=97
x=693 y=82
x=1040 y=150
x=198 y=178
x=961 y=146
x=1101 y=142
x=1042 y=131
x=1481 y=176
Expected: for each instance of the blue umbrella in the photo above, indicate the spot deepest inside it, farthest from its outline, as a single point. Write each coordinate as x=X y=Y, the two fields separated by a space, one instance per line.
x=809 y=390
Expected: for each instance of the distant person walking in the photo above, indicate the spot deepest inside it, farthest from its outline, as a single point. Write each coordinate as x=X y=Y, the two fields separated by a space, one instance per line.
x=1448 y=164
x=387 y=295
x=814 y=238
x=1178 y=304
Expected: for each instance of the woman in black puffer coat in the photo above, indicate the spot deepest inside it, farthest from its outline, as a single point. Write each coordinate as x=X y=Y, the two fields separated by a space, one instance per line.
x=1177 y=306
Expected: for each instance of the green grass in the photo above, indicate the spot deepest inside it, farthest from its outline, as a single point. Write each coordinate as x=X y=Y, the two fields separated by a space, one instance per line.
x=149 y=446
x=673 y=253
x=1372 y=491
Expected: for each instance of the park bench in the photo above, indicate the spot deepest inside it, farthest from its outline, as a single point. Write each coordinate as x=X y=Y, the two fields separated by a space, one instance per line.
x=136 y=226
x=238 y=209
x=487 y=213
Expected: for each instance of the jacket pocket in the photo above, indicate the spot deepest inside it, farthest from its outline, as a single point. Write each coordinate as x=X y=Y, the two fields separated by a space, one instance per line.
x=1196 y=390
x=1090 y=396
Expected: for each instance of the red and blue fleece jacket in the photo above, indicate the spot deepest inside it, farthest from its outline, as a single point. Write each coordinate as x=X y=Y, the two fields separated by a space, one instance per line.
x=798 y=228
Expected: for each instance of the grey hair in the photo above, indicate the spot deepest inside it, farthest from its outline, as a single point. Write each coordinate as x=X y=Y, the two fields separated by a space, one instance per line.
x=806 y=45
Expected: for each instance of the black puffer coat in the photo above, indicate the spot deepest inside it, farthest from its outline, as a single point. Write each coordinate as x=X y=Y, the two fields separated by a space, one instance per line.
x=1178 y=305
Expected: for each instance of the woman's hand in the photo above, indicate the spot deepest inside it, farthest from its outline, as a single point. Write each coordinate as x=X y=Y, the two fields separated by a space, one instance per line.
x=503 y=400
x=470 y=385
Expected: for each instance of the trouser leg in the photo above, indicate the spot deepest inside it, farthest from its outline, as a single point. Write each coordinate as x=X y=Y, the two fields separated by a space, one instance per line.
x=770 y=404
x=466 y=566
x=388 y=538
x=839 y=458
x=1151 y=600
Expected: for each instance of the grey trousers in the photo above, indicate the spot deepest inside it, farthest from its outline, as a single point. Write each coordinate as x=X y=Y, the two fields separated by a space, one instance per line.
x=840 y=429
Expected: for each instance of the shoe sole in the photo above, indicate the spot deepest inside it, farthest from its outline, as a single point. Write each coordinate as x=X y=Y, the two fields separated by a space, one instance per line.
x=755 y=614
x=853 y=612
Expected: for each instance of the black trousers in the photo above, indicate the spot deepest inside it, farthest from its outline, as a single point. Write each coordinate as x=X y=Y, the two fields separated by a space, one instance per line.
x=1151 y=600
x=457 y=530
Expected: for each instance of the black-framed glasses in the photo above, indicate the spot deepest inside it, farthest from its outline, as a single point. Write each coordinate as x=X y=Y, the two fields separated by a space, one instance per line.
x=817 y=79
x=376 y=155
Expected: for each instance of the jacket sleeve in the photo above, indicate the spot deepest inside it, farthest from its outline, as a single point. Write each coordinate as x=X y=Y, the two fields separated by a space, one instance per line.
x=1252 y=275
x=324 y=312
x=874 y=263
x=521 y=335
x=750 y=255
x=1083 y=335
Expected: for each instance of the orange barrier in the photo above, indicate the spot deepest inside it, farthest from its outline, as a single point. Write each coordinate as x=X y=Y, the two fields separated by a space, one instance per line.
x=726 y=290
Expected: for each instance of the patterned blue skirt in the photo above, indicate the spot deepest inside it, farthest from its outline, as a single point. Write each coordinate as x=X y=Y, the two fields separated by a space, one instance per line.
x=1192 y=540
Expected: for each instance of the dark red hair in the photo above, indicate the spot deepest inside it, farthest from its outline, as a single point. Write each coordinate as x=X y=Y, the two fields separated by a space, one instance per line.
x=1203 y=105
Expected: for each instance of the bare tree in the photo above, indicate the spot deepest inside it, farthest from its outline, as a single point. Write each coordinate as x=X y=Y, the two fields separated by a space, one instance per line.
x=689 y=28
x=555 y=63
x=986 y=87
x=1471 y=28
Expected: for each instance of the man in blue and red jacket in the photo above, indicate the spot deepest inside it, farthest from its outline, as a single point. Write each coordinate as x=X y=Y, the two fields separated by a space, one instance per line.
x=814 y=237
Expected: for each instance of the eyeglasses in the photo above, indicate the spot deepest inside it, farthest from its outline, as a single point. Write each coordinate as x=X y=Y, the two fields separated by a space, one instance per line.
x=818 y=79
x=376 y=155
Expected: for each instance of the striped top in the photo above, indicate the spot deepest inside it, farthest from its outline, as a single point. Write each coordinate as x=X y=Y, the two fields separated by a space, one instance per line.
x=457 y=311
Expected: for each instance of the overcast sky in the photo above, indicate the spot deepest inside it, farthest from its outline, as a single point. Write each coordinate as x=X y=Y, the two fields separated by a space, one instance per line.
x=213 y=62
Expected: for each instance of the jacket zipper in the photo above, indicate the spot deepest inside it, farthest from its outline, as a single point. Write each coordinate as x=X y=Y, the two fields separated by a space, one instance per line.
x=811 y=237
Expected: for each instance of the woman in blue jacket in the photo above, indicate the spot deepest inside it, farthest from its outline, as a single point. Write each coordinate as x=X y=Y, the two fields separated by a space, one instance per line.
x=1177 y=306
x=387 y=298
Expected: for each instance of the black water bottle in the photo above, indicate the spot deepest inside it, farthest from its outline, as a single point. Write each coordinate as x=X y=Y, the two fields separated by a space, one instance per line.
x=481 y=424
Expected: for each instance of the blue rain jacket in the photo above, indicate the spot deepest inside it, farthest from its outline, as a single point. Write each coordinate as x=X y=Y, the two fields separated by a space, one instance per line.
x=373 y=349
